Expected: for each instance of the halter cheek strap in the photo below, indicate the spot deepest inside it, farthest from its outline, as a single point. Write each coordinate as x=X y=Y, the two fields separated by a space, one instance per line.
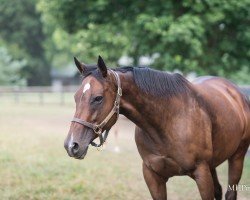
x=98 y=128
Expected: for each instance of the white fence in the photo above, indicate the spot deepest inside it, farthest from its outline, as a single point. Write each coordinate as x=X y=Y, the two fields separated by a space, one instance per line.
x=49 y=95
x=38 y=95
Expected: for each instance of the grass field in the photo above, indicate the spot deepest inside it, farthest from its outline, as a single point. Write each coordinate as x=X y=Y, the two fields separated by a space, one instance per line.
x=34 y=164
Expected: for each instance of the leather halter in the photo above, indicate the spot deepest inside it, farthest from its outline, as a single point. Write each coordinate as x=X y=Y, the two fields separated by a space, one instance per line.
x=98 y=128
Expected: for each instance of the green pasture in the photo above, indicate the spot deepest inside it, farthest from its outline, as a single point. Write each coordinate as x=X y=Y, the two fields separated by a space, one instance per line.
x=34 y=164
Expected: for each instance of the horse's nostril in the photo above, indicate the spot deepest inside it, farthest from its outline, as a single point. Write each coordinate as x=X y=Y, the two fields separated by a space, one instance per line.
x=75 y=147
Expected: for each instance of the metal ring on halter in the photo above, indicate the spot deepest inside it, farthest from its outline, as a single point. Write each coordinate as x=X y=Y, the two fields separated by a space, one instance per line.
x=97 y=129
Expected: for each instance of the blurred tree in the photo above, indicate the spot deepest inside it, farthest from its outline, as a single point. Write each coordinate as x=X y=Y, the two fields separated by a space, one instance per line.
x=242 y=76
x=10 y=69
x=21 y=29
x=209 y=37
x=88 y=41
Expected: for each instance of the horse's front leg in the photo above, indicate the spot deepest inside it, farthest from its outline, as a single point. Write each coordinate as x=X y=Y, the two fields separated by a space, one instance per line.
x=155 y=183
x=204 y=181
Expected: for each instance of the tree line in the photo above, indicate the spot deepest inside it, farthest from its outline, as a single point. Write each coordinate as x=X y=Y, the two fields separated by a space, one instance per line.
x=207 y=37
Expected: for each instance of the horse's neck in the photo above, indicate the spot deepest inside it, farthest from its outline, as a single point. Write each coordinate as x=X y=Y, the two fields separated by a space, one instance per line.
x=145 y=111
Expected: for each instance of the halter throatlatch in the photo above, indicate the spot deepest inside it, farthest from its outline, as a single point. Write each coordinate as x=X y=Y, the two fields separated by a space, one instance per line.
x=98 y=128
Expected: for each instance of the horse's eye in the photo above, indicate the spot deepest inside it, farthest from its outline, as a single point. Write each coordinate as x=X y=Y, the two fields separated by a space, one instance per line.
x=98 y=99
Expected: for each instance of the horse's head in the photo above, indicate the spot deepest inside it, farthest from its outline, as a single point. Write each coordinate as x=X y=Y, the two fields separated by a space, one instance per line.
x=96 y=107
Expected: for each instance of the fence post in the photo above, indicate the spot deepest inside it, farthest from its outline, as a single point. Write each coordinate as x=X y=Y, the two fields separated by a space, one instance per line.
x=62 y=98
x=16 y=97
x=41 y=98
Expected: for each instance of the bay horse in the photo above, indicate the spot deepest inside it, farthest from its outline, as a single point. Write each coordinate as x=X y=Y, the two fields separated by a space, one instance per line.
x=182 y=127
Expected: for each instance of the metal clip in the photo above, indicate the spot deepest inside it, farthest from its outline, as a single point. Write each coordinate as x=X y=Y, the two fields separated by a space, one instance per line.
x=100 y=148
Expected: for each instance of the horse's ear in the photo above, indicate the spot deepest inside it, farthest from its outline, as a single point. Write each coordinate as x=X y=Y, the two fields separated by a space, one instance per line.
x=102 y=67
x=81 y=67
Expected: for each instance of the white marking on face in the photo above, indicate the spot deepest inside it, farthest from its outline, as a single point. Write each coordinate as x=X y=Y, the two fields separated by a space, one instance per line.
x=86 y=87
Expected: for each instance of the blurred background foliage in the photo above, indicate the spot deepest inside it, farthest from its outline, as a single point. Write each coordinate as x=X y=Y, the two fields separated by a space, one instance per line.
x=202 y=36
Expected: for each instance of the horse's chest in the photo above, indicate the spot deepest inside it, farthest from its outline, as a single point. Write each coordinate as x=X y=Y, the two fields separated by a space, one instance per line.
x=162 y=165
x=159 y=157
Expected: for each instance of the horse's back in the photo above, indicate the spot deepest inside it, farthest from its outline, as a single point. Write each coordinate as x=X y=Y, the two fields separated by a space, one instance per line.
x=231 y=92
x=229 y=111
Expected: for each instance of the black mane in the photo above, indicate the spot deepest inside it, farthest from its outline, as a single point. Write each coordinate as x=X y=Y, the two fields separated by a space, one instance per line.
x=153 y=82
x=158 y=83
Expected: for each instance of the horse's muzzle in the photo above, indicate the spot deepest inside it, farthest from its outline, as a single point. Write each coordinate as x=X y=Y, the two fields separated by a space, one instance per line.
x=77 y=144
x=75 y=151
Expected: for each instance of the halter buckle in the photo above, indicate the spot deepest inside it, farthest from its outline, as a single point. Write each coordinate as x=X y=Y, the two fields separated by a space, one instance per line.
x=97 y=130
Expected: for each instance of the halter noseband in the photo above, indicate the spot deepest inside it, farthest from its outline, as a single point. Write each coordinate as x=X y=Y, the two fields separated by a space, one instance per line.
x=98 y=128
